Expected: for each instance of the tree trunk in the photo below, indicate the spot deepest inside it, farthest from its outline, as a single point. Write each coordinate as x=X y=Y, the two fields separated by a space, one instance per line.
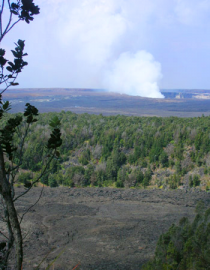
x=5 y=191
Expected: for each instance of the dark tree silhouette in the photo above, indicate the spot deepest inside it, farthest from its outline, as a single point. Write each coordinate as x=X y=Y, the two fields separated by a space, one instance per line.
x=20 y=10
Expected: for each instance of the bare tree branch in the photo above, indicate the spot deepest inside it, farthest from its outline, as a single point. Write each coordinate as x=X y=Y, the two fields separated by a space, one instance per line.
x=12 y=26
x=9 y=22
x=2 y=219
x=1 y=11
x=21 y=149
x=37 y=180
x=40 y=195
x=24 y=237
x=8 y=85
x=14 y=170
x=4 y=235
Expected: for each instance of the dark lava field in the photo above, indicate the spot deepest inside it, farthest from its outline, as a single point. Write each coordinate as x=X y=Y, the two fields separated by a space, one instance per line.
x=108 y=103
x=100 y=228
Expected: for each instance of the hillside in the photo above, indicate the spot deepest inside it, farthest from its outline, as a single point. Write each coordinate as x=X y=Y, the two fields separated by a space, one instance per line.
x=121 y=151
x=100 y=228
x=119 y=182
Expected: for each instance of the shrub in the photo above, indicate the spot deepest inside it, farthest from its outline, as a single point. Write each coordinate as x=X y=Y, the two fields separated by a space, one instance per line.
x=23 y=178
x=119 y=184
x=52 y=181
x=194 y=181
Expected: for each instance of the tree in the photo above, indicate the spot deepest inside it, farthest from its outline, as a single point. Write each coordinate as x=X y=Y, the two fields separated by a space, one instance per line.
x=147 y=177
x=184 y=246
x=163 y=158
x=11 y=154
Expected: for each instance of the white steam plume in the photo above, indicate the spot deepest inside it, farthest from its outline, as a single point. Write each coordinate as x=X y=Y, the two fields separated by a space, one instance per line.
x=134 y=74
x=97 y=44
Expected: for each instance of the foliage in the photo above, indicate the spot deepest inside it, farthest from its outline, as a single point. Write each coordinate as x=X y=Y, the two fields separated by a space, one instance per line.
x=194 y=181
x=185 y=246
x=14 y=130
x=24 y=177
x=122 y=148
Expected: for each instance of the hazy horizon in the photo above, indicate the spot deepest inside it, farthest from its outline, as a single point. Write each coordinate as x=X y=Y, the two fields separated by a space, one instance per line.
x=136 y=48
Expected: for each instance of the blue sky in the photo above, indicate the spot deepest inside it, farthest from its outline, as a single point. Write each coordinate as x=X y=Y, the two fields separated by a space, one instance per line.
x=134 y=47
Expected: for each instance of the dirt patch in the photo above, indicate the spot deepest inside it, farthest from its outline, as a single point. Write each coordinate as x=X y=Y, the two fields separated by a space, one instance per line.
x=101 y=228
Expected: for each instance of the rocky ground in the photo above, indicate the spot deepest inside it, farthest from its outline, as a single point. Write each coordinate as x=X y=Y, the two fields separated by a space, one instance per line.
x=100 y=228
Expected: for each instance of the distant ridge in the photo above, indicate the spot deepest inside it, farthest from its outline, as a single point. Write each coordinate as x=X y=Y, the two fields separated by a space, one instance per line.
x=95 y=101
x=185 y=90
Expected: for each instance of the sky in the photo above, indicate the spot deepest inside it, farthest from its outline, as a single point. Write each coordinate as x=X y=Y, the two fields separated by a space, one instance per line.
x=135 y=47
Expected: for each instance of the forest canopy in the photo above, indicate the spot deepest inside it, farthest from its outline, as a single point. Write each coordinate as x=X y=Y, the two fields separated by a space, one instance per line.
x=122 y=151
x=185 y=246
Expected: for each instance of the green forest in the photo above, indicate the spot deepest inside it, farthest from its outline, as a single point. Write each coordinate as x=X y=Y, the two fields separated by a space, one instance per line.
x=119 y=151
x=184 y=246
